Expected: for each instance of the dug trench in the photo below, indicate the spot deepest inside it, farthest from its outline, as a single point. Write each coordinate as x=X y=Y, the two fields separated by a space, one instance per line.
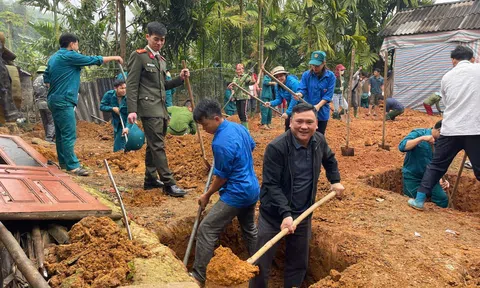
x=465 y=198
x=327 y=257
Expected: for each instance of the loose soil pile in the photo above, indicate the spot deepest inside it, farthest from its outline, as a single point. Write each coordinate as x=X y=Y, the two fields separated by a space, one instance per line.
x=99 y=256
x=227 y=269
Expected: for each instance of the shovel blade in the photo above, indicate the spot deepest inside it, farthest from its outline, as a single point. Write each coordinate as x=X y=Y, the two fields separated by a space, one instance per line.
x=384 y=147
x=347 y=151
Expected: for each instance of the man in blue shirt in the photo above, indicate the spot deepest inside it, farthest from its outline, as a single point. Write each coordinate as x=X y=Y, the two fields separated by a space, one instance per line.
x=375 y=91
x=115 y=101
x=235 y=180
x=291 y=82
x=317 y=87
x=418 y=147
x=63 y=77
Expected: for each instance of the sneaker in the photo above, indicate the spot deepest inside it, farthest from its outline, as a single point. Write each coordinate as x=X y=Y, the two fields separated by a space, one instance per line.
x=415 y=205
x=152 y=184
x=468 y=165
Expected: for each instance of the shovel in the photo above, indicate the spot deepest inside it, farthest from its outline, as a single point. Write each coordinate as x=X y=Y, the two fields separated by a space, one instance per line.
x=244 y=270
x=347 y=151
x=197 y=219
x=256 y=98
x=455 y=187
x=199 y=135
x=385 y=74
x=282 y=85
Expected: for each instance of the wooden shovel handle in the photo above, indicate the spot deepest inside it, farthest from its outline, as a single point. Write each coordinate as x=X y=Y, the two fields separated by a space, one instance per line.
x=255 y=97
x=199 y=135
x=281 y=84
x=284 y=232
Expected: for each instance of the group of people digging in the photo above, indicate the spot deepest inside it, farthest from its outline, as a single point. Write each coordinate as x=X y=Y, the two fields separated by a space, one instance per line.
x=292 y=161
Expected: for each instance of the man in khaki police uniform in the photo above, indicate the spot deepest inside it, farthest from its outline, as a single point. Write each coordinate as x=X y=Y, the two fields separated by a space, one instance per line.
x=146 y=86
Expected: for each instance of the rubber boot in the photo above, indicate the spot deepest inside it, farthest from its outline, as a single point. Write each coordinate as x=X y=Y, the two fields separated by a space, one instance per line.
x=335 y=115
x=355 y=112
x=245 y=124
x=418 y=202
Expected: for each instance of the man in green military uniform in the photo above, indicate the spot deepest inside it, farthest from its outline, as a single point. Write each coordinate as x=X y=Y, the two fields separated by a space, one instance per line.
x=243 y=80
x=63 y=77
x=146 y=90
x=181 y=120
x=229 y=104
x=115 y=101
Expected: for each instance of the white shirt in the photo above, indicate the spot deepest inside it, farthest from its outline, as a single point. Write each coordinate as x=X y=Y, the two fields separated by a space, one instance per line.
x=155 y=53
x=460 y=91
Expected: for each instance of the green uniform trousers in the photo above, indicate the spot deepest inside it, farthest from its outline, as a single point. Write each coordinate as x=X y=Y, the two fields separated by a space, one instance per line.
x=119 y=140
x=66 y=135
x=412 y=183
x=266 y=112
x=392 y=114
x=155 y=158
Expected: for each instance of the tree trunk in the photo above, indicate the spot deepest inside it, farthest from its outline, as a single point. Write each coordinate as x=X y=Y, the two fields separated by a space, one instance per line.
x=116 y=27
x=123 y=30
x=260 y=46
x=55 y=19
x=241 y=32
x=23 y=263
x=220 y=37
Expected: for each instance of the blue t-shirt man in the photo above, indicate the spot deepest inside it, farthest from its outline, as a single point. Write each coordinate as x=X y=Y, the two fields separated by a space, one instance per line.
x=235 y=181
x=232 y=148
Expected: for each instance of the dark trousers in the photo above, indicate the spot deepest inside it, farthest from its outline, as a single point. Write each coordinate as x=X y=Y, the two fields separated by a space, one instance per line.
x=214 y=223
x=296 y=253
x=446 y=148
x=242 y=109
x=252 y=105
x=48 y=126
x=322 y=126
x=155 y=157
x=287 y=123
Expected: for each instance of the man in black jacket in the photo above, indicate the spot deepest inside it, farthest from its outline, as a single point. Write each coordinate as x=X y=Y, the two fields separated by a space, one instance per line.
x=291 y=168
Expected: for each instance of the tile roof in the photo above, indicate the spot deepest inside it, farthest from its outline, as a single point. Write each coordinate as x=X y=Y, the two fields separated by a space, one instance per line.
x=435 y=18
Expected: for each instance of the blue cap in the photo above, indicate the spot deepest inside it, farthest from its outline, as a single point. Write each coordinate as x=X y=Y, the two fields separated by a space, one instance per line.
x=136 y=138
x=317 y=58
x=120 y=76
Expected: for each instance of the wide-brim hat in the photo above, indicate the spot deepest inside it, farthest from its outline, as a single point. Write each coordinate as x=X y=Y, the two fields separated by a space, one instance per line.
x=279 y=70
x=7 y=54
x=136 y=138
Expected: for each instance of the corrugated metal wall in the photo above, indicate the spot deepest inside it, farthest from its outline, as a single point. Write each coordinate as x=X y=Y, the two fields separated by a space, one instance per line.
x=89 y=99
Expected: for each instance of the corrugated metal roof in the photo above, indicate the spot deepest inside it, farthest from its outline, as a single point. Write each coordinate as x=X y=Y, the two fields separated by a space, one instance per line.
x=463 y=15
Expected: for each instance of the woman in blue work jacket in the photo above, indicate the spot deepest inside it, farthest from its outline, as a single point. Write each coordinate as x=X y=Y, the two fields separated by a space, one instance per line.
x=317 y=86
x=291 y=82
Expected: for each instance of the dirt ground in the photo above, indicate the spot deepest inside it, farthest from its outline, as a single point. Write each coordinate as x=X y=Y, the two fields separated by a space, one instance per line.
x=368 y=239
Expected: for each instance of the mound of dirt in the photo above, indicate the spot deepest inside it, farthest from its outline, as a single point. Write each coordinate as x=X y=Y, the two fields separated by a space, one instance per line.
x=99 y=255
x=227 y=269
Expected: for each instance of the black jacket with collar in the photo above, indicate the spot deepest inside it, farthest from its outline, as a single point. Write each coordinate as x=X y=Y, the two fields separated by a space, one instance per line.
x=277 y=185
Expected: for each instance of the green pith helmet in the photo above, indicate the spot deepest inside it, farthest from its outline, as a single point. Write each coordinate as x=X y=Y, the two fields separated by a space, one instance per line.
x=41 y=69
x=136 y=138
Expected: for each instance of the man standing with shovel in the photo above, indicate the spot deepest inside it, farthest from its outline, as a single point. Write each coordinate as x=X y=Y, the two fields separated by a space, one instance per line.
x=235 y=180
x=460 y=90
x=291 y=169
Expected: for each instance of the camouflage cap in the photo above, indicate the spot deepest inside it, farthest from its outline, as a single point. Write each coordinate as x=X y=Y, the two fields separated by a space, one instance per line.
x=41 y=69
